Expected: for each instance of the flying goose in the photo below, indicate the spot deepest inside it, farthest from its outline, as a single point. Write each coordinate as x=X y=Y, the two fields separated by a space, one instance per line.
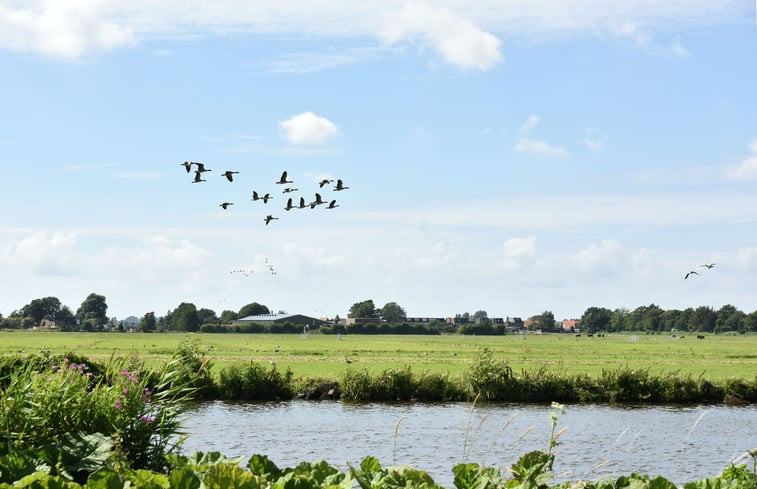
x=283 y=179
x=198 y=177
x=708 y=265
x=690 y=273
x=269 y=218
x=289 y=189
x=226 y=205
x=264 y=198
x=332 y=205
x=325 y=181
x=302 y=203
x=340 y=185
x=201 y=168
x=187 y=165
x=229 y=175
x=289 y=205
x=317 y=201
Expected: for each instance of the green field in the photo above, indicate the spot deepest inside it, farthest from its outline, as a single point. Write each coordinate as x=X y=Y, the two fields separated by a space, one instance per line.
x=324 y=356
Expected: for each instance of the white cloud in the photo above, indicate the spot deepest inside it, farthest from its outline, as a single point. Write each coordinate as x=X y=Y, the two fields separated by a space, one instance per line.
x=747 y=169
x=459 y=40
x=518 y=252
x=138 y=175
x=308 y=128
x=603 y=258
x=67 y=29
x=530 y=123
x=594 y=139
x=47 y=253
x=535 y=146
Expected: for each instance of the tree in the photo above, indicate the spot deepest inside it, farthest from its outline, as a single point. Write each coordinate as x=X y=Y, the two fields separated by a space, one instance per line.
x=544 y=321
x=184 y=317
x=703 y=319
x=93 y=310
x=148 y=322
x=39 y=309
x=619 y=320
x=750 y=322
x=596 y=319
x=206 y=316
x=729 y=318
x=252 y=309
x=228 y=317
x=364 y=309
x=392 y=313
x=479 y=316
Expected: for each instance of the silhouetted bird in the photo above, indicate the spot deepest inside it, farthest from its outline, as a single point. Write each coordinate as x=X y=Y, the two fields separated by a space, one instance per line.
x=283 y=179
x=269 y=218
x=264 y=198
x=187 y=165
x=225 y=205
x=289 y=189
x=289 y=205
x=317 y=201
x=325 y=181
x=229 y=175
x=708 y=265
x=332 y=205
x=201 y=167
x=690 y=273
x=302 y=203
x=340 y=186
x=347 y=360
x=198 y=177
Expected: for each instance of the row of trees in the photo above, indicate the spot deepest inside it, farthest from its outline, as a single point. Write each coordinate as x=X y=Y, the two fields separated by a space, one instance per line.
x=92 y=316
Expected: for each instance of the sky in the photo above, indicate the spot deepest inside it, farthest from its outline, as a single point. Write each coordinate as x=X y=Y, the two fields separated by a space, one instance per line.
x=511 y=156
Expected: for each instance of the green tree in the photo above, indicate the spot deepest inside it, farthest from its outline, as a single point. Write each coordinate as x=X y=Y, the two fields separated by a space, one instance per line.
x=392 y=313
x=364 y=309
x=253 y=309
x=228 y=317
x=479 y=316
x=703 y=319
x=206 y=316
x=750 y=322
x=620 y=320
x=93 y=310
x=596 y=319
x=729 y=318
x=184 y=317
x=148 y=323
x=39 y=309
x=544 y=321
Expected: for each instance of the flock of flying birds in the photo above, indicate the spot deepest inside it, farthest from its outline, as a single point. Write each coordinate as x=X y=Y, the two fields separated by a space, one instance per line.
x=229 y=175
x=708 y=266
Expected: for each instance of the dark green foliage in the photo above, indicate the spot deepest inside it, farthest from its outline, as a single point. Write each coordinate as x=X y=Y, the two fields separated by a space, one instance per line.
x=253 y=382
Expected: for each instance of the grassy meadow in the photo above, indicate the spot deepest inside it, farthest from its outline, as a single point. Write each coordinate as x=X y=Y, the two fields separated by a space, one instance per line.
x=324 y=356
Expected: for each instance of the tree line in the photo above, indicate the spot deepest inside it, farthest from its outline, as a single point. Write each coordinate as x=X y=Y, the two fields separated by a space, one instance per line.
x=389 y=319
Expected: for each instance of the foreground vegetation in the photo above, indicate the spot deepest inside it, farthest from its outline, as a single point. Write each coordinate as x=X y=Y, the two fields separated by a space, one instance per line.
x=67 y=422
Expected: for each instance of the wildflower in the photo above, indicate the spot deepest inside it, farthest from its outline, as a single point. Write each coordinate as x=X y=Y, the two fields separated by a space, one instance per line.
x=126 y=390
x=54 y=368
x=146 y=419
x=118 y=405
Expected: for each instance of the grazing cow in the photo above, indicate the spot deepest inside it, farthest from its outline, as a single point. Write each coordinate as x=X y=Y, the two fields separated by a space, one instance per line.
x=578 y=336
x=590 y=335
x=700 y=336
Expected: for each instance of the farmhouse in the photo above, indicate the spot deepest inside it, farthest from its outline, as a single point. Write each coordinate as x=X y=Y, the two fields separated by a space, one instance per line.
x=269 y=319
x=571 y=325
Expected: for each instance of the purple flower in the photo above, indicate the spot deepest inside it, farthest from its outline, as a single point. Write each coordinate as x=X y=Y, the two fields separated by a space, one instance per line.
x=118 y=404
x=146 y=419
x=54 y=368
x=126 y=391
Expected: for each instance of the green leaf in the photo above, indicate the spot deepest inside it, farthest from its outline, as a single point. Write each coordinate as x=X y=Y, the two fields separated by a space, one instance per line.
x=145 y=479
x=105 y=478
x=229 y=476
x=262 y=466
x=184 y=478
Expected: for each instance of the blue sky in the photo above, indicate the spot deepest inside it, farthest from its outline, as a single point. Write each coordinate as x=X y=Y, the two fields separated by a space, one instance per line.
x=514 y=156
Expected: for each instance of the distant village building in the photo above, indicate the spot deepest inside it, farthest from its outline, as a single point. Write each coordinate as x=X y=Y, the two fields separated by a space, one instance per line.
x=269 y=319
x=571 y=325
x=130 y=322
x=423 y=320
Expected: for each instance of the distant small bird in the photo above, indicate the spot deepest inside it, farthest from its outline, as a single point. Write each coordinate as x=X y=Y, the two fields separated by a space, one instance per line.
x=187 y=165
x=340 y=186
x=347 y=360
x=302 y=203
x=283 y=179
x=201 y=168
x=226 y=205
x=273 y=364
x=289 y=189
x=325 y=181
x=690 y=273
x=708 y=265
x=198 y=177
x=332 y=205
x=264 y=198
x=269 y=218
x=289 y=205
x=317 y=201
x=229 y=175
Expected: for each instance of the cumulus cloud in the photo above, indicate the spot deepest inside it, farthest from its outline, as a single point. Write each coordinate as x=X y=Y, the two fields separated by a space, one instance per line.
x=457 y=39
x=308 y=128
x=747 y=169
x=47 y=253
x=535 y=146
x=66 y=29
x=518 y=252
x=530 y=123
x=603 y=258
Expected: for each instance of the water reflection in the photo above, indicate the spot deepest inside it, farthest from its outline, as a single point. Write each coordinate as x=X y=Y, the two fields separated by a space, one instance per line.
x=680 y=443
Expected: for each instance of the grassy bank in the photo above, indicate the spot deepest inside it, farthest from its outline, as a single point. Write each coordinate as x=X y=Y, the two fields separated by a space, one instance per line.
x=716 y=357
